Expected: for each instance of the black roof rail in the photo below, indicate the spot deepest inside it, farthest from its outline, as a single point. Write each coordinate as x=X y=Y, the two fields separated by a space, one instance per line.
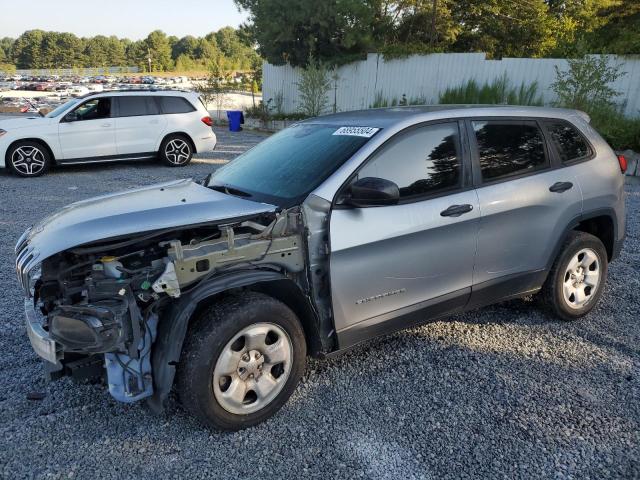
x=137 y=90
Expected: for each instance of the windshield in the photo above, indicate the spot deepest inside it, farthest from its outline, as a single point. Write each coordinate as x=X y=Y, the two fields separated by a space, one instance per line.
x=288 y=165
x=57 y=111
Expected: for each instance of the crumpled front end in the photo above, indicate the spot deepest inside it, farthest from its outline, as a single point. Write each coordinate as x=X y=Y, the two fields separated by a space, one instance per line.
x=95 y=309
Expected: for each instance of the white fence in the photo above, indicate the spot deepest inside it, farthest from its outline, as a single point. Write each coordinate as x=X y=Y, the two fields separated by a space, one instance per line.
x=426 y=76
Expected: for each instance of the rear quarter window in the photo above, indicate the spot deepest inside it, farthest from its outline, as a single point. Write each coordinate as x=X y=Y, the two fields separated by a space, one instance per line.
x=175 y=105
x=568 y=141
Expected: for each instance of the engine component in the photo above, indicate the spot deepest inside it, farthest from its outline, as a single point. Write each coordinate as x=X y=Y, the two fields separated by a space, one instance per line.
x=94 y=328
x=130 y=379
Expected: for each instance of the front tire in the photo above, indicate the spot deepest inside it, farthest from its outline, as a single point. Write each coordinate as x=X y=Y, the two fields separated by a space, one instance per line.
x=176 y=151
x=28 y=159
x=576 y=280
x=241 y=361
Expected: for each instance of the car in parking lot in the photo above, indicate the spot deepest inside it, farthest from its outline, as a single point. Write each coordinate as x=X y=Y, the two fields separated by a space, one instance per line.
x=325 y=235
x=107 y=127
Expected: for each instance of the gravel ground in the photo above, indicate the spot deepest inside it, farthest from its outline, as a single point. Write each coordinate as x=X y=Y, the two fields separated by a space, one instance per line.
x=503 y=392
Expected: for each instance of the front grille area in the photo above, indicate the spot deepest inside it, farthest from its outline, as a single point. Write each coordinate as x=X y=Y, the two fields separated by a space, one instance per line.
x=26 y=259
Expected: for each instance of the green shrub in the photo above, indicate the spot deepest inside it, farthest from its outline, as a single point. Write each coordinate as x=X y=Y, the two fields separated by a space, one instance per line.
x=496 y=92
x=619 y=131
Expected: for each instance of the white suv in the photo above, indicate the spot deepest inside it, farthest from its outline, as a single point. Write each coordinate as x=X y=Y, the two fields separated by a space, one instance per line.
x=106 y=127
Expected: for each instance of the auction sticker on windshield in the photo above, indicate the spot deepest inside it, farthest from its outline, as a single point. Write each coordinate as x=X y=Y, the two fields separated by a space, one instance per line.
x=366 y=132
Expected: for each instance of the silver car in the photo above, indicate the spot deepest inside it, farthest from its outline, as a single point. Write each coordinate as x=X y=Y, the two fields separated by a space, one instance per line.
x=332 y=232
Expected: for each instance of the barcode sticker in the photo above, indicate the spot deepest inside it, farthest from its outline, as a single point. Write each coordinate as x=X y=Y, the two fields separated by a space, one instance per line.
x=366 y=132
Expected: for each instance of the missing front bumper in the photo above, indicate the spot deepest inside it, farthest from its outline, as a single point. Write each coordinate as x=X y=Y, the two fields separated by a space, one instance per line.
x=40 y=340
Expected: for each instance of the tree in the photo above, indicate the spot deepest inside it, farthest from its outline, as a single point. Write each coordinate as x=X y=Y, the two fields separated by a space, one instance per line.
x=26 y=50
x=504 y=28
x=160 y=50
x=290 y=31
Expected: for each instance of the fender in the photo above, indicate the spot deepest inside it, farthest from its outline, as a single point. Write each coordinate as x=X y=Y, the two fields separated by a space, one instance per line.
x=174 y=322
x=609 y=212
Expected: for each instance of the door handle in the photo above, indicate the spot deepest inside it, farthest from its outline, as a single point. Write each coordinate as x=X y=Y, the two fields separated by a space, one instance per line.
x=456 y=210
x=154 y=122
x=105 y=125
x=560 y=187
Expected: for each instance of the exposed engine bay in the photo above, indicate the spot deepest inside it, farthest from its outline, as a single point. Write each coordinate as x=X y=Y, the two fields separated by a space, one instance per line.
x=105 y=300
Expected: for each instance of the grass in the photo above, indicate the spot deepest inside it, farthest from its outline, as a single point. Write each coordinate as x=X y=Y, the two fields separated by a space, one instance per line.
x=497 y=92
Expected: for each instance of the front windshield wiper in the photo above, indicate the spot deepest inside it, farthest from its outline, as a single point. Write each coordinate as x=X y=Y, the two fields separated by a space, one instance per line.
x=229 y=190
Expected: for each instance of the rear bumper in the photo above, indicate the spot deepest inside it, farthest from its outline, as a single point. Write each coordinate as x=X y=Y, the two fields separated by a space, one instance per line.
x=40 y=340
x=205 y=144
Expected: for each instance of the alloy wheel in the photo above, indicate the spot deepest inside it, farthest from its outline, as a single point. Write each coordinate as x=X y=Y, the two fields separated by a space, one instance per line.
x=252 y=368
x=28 y=160
x=177 y=151
x=581 y=278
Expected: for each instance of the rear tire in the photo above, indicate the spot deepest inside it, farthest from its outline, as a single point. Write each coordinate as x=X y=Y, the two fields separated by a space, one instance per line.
x=576 y=280
x=176 y=150
x=28 y=158
x=241 y=361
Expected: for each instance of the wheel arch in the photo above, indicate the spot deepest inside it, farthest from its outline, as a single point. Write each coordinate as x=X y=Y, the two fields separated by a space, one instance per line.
x=172 y=329
x=41 y=141
x=602 y=223
x=179 y=132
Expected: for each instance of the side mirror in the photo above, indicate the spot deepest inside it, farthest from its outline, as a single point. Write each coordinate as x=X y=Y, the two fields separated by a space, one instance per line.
x=71 y=117
x=372 y=192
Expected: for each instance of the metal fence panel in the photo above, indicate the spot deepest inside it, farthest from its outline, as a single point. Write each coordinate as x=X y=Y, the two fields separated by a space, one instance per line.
x=425 y=77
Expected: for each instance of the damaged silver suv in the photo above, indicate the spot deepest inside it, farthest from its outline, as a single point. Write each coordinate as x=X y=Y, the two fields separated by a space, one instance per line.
x=327 y=234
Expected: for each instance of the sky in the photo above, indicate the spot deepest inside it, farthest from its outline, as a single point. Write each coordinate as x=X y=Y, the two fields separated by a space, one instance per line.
x=133 y=19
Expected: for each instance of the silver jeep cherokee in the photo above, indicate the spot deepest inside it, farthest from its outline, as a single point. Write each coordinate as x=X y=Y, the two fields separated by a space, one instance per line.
x=329 y=233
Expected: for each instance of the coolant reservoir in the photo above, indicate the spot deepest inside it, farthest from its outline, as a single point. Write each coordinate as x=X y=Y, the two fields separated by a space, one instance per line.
x=111 y=265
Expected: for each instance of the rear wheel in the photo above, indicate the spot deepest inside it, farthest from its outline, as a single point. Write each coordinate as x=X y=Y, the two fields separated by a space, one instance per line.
x=241 y=361
x=576 y=280
x=176 y=151
x=28 y=159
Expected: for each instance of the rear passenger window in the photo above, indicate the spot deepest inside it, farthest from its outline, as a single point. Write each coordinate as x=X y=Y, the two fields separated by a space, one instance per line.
x=136 y=106
x=420 y=161
x=175 y=105
x=568 y=141
x=509 y=148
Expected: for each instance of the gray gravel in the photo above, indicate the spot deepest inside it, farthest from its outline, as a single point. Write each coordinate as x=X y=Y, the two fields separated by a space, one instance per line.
x=502 y=392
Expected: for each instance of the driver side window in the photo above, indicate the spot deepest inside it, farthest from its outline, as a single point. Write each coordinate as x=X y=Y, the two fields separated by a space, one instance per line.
x=421 y=161
x=94 y=109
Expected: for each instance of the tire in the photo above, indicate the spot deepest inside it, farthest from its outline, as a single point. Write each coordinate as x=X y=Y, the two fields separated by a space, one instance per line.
x=176 y=150
x=571 y=292
x=28 y=158
x=220 y=377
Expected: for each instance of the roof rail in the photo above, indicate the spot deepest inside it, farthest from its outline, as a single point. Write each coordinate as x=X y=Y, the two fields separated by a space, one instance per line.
x=138 y=90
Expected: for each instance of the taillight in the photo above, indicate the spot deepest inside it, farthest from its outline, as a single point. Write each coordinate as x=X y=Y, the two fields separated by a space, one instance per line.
x=623 y=163
x=207 y=121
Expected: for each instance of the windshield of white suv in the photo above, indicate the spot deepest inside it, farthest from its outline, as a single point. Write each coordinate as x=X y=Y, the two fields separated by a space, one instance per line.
x=57 y=111
x=288 y=165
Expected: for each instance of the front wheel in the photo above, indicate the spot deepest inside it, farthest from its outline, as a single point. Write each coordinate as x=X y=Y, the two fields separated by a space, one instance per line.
x=176 y=151
x=241 y=361
x=28 y=159
x=576 y=280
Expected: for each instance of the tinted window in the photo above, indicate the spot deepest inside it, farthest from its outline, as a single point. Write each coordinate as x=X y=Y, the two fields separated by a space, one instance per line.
x=175 y=105
x=136 y=106
x=94 y=109
x=509 y=148
x=420 y=161
x=289 y=164
x=568 y=142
